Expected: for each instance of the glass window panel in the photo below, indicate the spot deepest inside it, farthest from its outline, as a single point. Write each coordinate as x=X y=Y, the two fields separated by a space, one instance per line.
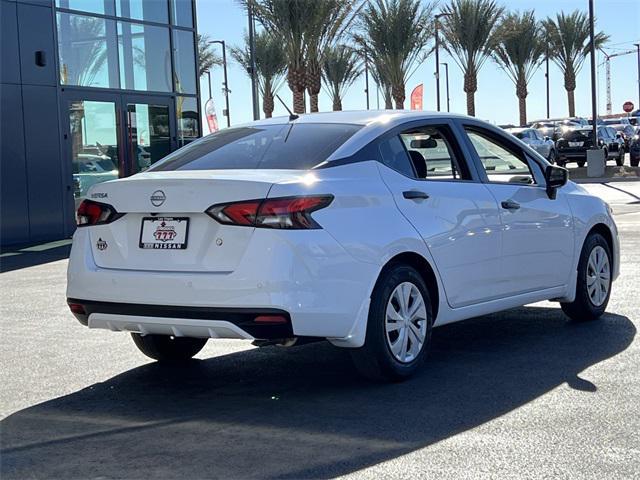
x=500 y=164
x=104 y=7
x=182 y=13
x=149 y=133
x=145 y=62
x=184 y=61
x=187 y=113
x=149 y=10
x=94 y=145
x=87 y=51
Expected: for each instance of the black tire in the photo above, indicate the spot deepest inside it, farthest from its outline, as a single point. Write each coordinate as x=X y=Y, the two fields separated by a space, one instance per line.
x=581 y=163
x=635 y=161
x=375 y=359
x=583 y=308
x=561 y=163
x=165 y=348
x=620 y=159
x=552 y=157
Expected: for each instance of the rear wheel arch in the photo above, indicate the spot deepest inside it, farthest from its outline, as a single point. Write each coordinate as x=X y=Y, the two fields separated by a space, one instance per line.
x=426 y=271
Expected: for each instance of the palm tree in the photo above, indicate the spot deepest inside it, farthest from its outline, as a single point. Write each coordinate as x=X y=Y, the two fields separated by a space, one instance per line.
x=207 y=58
x=326 y=21
x=287 y=20
x=271 y=65
x=519 y=51
x=568 y=39
x=395 y=33
x=469 y=32
x=340 y=69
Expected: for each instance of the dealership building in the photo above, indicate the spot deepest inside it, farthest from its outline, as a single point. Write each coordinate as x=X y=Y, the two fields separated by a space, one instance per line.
x=91 y=90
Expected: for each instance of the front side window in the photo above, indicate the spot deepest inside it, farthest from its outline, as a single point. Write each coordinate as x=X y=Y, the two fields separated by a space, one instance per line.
x=432 y=153
x=499 y=162
x=290 y=146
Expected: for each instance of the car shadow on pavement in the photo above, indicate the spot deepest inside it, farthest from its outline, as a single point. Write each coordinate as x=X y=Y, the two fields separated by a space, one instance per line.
x=303 y=412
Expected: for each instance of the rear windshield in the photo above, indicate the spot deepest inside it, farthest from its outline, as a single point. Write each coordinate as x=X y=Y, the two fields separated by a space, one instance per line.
x=290 y=146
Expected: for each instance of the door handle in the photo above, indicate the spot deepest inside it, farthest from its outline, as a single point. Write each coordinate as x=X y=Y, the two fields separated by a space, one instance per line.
x=510 y=205
x=415 y=195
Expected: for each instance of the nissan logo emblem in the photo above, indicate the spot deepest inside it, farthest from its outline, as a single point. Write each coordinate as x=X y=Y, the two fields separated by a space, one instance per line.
x=157 y=198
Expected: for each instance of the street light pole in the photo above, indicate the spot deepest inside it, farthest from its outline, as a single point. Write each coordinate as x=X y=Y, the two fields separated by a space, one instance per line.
x=446 y=75
x=252 y=60
x=546 y=75
x=209 y=79
x=437 y=48
x=366 y=76
x=638 y=47
x=592 y=49
x=226 y=82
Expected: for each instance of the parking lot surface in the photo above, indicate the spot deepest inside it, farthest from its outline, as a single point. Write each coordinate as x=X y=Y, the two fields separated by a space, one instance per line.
x=519 y=394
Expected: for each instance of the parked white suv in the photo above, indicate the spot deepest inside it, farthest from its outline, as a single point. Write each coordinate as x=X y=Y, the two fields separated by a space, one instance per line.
x=363 y=228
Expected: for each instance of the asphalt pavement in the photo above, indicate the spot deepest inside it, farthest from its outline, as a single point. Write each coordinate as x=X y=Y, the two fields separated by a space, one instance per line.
x=519 y=394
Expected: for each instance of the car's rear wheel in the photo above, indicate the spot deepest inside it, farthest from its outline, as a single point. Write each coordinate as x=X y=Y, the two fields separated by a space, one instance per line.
x=581 y=163
x=635 y=161
x=593 y=286
x=165 y=348
x=398 y=327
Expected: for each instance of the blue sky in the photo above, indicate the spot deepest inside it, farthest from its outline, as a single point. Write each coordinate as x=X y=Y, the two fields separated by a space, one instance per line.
x=495 y=98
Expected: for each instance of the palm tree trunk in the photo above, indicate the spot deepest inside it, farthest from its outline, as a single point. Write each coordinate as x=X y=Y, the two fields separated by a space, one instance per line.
x=296 y=78
x=521 y=93
x=572 y=102
x=267 y=103
x=470 y=87
x=398 y=96
x=313 y=102
x=298 y=101
x=337 y=104
x=570 y=86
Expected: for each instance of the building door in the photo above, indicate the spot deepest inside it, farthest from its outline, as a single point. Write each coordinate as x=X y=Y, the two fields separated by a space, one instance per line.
x=112 y=135
x=149 y=131
x=92 y=143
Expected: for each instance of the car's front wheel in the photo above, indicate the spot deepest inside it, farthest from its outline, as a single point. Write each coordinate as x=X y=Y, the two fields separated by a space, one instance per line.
x=165 y=348
x=398 y=327
x=593 y=286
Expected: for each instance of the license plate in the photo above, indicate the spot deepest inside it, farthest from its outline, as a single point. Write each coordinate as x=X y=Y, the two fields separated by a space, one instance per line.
x=164 y=233
x=576 y=144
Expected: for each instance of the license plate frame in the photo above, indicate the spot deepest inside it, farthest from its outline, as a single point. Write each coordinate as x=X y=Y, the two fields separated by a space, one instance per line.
x=163 y=244
x=576 y=144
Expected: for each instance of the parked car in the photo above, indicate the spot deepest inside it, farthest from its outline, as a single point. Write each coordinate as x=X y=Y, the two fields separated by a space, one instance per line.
x=532 y=137
x=336 y=226
x=634 y=148
x=622 y=127
x=547 y=129
x=573 y=144
x=89 y=169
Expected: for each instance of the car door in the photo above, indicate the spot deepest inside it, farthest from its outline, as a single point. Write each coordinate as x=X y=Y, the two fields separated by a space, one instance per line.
x=537 y=239
x=541 y=145
x=458 y=218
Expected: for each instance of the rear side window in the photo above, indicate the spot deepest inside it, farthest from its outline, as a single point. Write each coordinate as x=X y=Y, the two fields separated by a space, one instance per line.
x=290 y=146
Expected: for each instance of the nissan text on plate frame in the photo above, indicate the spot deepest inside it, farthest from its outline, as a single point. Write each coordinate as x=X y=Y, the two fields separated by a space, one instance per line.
x=367 y=229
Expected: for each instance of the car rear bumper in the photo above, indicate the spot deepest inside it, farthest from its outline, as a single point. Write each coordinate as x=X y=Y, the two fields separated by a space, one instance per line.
x=184 y=321
x=305 y=275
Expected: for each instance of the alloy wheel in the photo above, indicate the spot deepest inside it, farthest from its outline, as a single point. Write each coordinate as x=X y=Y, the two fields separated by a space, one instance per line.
x=406 y=322
x=598 y=276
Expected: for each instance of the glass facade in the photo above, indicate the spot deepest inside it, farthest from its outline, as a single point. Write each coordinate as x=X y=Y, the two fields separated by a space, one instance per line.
x=129 y=72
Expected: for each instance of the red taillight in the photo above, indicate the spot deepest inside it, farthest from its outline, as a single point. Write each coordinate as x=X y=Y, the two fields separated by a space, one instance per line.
x=95 y=213
x=77 y=308
x=286 y=212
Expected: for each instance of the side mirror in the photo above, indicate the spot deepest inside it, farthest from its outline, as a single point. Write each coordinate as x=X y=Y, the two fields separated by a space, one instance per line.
x=555 y=177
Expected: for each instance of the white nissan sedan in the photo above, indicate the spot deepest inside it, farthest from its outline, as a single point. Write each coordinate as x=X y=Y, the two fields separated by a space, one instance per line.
x=366 y=229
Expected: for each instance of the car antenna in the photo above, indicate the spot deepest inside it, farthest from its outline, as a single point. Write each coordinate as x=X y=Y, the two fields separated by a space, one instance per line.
x=292 y=116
